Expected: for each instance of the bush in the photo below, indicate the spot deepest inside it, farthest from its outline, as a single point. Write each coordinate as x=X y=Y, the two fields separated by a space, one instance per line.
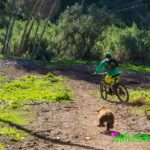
x=46 y=44
x=78 y=32
x=128 y=44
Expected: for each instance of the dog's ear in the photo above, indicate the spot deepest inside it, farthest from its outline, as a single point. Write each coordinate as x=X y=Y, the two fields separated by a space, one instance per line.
x=101 y=108
x=98 y=109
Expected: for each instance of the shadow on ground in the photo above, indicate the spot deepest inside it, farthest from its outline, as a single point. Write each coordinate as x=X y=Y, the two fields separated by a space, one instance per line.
x=43 y=137
x=82 y=72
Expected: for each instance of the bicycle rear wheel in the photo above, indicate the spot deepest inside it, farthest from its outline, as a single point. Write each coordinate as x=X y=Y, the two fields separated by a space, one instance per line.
x=122 y=93
x=103 y=90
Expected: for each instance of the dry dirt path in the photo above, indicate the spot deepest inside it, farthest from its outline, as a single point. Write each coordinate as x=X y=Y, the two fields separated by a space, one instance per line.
x=73 y=125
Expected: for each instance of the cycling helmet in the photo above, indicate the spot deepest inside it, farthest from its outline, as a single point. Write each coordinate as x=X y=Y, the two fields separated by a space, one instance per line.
x=108 y=55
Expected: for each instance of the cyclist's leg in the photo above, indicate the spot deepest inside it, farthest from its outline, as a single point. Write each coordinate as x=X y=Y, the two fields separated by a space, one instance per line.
x=108 y=81
x=115 y=80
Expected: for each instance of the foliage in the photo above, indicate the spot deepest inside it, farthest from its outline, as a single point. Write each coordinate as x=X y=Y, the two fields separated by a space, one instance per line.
x=83 y=34
x=122 y=9
x=78 y=32
x=129 y=44
x=46 y=46
x=4 y=12
x=140 y=15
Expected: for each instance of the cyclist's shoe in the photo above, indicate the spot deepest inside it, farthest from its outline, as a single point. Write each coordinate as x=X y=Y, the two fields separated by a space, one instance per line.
x=110 y=92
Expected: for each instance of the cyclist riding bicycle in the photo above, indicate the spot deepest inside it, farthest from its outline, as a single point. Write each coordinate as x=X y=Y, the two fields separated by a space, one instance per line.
x=111 y=66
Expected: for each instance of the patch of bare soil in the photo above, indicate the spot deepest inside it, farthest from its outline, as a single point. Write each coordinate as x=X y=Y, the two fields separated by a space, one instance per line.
x=73 y=125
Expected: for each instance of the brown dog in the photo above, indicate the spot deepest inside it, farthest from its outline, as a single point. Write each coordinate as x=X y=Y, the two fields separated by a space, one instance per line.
x=105 y=115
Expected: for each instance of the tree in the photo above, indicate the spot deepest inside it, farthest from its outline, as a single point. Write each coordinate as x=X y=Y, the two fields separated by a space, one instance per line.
x=78 y=32
x=25 y=30
x=32 y=24
x=37 y=28
x=46 y=22
x=8 y=35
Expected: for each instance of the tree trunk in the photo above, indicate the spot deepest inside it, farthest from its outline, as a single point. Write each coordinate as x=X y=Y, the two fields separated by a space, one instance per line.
x=37 y=28
x=6 y=40
x=11 y=30
x=31 y=27
x=45 y=25
x=29 y=32
x=26 y=26
x=82 y=5
x=49 y=17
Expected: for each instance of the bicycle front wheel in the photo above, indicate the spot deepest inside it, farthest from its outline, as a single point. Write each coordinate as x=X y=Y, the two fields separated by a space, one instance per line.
x=122 y=93
x=103 y=90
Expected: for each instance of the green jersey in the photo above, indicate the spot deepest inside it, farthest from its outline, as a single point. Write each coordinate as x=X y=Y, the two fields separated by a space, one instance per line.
x=104 y=65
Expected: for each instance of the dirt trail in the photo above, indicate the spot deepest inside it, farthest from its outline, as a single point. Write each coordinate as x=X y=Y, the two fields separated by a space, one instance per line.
x=73 y=125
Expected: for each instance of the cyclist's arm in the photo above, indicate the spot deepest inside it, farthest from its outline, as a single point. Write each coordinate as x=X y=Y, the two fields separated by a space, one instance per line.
x=100 y=68
x=116 y=62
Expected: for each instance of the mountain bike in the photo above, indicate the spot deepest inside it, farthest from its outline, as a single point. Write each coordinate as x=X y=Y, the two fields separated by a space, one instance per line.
x=118 y=89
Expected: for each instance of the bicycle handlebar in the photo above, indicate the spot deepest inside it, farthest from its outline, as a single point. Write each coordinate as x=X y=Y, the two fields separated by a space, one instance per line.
x=103 y=73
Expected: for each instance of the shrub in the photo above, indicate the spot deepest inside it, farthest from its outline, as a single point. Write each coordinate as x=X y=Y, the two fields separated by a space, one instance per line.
x=128 y=44
x=45 y=51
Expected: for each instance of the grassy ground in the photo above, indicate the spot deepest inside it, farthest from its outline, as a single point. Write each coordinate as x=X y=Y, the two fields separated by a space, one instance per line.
x=93 y=64
x=137 y=96
x=14 y=94
x=2 y=146
x=137 y=68
x=139 y=99
x=59 y=62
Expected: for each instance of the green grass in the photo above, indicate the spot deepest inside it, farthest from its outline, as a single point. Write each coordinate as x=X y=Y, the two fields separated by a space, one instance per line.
x=136 y=97
x=140 y=96
x=14 y=94
x=137 y=68
x=1 y=56
x=2 y=146
x=34 y=88
x=13 y=134
x=64 y=62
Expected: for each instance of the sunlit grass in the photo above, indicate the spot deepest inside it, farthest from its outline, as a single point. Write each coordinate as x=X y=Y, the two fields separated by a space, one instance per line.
x=8 y=116
x=14 y=94
x=1 y=56
x=64 y=62
x=14 y=134
x=143 y=94
x=139 y=99
x=2 y=146
x=137 y=68
x=35 y=88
